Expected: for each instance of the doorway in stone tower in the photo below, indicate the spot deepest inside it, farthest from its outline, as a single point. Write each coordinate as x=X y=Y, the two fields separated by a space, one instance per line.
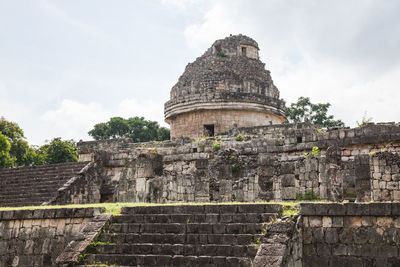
x=244 y=51
x=209 y=129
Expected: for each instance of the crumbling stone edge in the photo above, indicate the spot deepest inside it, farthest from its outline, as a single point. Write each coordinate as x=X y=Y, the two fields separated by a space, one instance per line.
x=89 y=178
x=280 y=245
x=89 y=232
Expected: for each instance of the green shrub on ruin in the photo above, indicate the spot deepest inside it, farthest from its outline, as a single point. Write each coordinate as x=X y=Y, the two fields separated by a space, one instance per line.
x=216 y=146
x=309 y=195
x=315 y=151
x=239 y=138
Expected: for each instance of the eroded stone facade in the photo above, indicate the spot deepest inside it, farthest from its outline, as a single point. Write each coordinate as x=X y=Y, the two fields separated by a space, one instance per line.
x=277 y=162
x=37 y=237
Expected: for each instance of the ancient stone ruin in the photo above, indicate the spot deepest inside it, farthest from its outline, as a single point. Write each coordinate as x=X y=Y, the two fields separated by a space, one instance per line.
x=229 y=144
x=226 y=87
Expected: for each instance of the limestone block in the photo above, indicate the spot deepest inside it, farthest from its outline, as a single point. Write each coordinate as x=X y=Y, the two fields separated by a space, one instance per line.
x=315 y=221
x=375 y=184
x=384 y=221
x=368 y=220
x=376 y=194
x=288 y=193
x=387 y=177
x=396 y=195
x=331 y=236
x=326 y=221
x=392 y=185
x=396 y=177
x=382 y=185
x=288 y=180
x=337 y=221
x=352 y=221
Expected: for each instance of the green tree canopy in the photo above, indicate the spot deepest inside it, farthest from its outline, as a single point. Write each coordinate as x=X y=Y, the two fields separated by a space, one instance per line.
x=57 y=151
x=5 y=158
x=136 y=128
x=19 y=147
x=15 y=150
x=305 y=111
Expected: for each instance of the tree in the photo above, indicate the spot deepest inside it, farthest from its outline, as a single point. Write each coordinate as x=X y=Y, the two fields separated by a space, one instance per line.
x=15 y=150
x=305 y=111
x=19 y=147
x=6 y=160
x=57 y=151
x=364 y=121
x=136 y=128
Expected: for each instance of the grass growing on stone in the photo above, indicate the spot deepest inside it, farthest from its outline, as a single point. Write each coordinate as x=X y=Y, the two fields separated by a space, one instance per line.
x=289 y=208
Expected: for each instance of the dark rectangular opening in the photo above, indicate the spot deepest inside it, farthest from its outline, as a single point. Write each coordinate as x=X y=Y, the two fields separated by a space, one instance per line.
x=244 y=51
x=209 y=130
x=299 y=139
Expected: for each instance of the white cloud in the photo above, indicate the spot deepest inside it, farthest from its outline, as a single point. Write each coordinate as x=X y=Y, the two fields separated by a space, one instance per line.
x=185 y=6
x=149 y=110
x=72 y=119
x=337 y=53
x=75 y=22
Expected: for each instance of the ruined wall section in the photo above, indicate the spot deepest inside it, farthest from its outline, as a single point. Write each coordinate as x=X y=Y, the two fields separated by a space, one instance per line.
x=87 y=186
x=278 y=165
x=385 y=176
x=37 y=237
x=350 y=234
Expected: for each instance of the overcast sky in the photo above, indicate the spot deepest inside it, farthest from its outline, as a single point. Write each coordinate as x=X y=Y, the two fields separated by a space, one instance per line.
x=67 y=65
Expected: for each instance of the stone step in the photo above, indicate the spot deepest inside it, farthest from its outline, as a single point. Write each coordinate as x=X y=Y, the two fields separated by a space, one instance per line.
x=58 y=166
x=44 y=169
x=32 y=180
x=171 y=238
x=20 y=204
x=37 y=187
x=31 y=194
x=189 y=228
x=178 y=249
x=205 y=209
x=167 y=260
x=23 y=203
x=200 y=218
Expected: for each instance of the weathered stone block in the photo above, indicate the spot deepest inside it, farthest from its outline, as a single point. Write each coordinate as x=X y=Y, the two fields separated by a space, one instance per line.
x=289 y=193
x=326 y=221
x=288 y=180
x=315 y=221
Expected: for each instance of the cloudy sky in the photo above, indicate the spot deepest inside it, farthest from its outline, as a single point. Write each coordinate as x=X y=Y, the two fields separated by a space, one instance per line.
x=67 y=65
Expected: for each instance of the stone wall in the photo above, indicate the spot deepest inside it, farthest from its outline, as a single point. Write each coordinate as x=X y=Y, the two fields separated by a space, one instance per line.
x=385 y=176
x=192 y=123
x=350 y=234
x=274 y=162
x=37 y=237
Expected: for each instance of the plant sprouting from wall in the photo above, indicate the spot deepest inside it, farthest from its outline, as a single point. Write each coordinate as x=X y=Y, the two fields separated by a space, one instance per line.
x=217 y=145
x=315 y=151
x=364 y=121
x=239 y=138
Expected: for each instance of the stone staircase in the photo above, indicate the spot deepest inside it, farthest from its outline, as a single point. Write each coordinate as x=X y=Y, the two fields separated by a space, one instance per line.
x=187 y=235
x=26 y=186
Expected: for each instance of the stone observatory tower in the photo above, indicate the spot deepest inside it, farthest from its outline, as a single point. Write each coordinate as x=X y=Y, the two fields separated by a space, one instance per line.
x=227 y=86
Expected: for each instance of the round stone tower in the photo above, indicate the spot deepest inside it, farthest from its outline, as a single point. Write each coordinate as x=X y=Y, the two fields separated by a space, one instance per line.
x=228 y=86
